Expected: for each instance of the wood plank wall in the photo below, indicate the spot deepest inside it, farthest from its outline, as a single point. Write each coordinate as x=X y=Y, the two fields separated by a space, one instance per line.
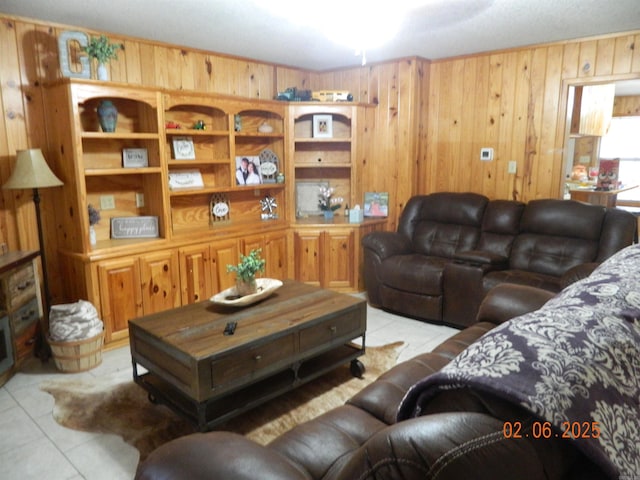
x=431 y=119
x=515 y=102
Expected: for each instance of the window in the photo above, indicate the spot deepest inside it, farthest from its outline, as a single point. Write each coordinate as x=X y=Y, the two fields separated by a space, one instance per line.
x=623 y=141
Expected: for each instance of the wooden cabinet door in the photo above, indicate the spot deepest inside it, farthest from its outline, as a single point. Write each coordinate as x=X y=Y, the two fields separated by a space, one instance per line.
x=196 y=274
x=339 y=259
x=159 y=275
x=222 y=254
x=276 y=249
x=120 y=295
x=308 y=254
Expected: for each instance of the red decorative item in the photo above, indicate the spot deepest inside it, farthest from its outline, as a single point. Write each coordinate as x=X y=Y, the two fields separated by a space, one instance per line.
x=172 y=125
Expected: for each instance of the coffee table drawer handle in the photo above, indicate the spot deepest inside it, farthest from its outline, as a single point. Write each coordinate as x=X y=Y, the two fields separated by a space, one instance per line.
x=257 y=358
x=333 y=329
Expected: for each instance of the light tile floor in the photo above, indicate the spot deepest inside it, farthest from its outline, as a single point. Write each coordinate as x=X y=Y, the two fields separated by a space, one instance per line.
x=34 y=446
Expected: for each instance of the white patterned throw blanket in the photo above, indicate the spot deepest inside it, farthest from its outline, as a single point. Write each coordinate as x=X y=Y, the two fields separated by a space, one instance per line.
x=575 y=363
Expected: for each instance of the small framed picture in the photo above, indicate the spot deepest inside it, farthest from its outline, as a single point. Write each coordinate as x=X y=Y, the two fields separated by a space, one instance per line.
x=248 y=170
x=185 y=179
x=183 y=148
x=322 y=126
x=135 y=158
x=376 y=204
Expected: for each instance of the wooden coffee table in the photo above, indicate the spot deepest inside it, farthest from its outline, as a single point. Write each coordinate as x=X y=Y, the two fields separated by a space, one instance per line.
x=286 y=340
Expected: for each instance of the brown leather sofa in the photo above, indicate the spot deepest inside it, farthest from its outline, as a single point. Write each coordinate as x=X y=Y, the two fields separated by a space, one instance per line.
x=461 y=436
x=450 y=249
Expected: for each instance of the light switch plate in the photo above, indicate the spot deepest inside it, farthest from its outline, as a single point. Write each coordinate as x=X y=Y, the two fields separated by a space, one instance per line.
x=139 y=200
x=107 y=202
x=513 y=166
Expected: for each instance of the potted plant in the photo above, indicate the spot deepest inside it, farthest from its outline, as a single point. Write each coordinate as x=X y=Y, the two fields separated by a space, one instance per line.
x=246 y=272
x=103 y=51
x=327 y=202
x=94 y=218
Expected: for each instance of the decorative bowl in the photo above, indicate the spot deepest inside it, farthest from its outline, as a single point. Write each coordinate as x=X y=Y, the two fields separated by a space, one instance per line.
x=229 y=297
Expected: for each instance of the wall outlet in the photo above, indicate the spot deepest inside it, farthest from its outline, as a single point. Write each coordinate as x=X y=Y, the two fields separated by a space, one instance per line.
x=107 y=202
x=513 y=166
x=486 y=154
x=139 y=200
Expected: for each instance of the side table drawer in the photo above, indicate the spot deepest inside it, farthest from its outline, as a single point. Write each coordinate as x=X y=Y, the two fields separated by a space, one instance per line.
x=21 y=285
x=24 y=317
x=349 y=324
x=236 y=366
x=25 y=342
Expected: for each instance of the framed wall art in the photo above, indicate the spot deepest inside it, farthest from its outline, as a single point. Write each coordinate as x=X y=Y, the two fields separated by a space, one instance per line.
x=376 y=204
x=248 y=170
x=322 y=126
x=307 y=197
x=185 y=179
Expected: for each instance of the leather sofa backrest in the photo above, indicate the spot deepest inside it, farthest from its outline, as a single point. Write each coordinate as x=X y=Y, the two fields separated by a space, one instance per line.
x=500 y=225
x=440 y=224
x=550 y=244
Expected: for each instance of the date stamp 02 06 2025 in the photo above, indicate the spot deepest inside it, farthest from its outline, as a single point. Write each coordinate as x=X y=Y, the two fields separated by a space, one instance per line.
x=569 y=430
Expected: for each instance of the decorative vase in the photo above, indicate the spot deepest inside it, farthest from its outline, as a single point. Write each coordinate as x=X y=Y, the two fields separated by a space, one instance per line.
x=93 y=239
x=103 y=72
x=328 y=214
x=107 y=116
x=246 y=288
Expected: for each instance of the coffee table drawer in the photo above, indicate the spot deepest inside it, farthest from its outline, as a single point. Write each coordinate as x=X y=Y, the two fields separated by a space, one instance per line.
x=334 y=328
x=239 y=365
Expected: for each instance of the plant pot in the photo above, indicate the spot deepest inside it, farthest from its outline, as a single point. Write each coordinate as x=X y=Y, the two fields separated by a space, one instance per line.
x=328 y=214
x=107 y=116
x=246 y=288
x=102 y=72
x=93 y=239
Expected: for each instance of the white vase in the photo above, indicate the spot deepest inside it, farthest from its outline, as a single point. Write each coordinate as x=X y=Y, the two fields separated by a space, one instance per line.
x=103 y=72
x=93 y=239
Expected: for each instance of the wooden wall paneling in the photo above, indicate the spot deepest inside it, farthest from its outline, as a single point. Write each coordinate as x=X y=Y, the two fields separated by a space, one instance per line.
x=507 y=130
x=626 y=106
x=493 y=125
x=635 y=48
x=202 y=71
x=161 y=66
x=570 y=60
x=605 y=51
x=291 y=77
x=408 y=103
x=147 y=65
x=623 y=54
x=130 y=57
x=587 y=59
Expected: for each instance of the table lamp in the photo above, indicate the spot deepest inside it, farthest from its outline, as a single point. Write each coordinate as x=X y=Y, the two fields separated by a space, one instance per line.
x=31 y=171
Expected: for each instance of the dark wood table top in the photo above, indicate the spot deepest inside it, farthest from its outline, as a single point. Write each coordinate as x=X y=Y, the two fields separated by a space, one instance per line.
x=197 y=329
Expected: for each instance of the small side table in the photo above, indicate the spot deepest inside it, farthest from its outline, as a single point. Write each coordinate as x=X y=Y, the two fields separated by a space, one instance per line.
x=20 y=310
x=606 y=198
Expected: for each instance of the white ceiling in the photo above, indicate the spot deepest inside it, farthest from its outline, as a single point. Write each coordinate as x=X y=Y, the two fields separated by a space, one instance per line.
x=441 y=29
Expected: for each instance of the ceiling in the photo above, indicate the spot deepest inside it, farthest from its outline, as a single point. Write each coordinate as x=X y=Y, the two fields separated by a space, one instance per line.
x=439 y=29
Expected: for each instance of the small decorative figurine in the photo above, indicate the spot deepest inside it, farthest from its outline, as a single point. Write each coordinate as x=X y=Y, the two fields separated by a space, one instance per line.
x=199 y=125
x=269 y=205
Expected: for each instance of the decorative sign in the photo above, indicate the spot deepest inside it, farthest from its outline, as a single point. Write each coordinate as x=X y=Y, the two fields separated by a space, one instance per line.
x=185 y=179
x=307 y=198
x=268 y=166
x=64 y=51
x=134 y=227
x=219 y=208
x=183 y=148
x=134 y=158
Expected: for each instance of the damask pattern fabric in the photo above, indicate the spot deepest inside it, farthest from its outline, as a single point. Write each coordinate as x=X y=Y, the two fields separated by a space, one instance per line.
x=575 y=360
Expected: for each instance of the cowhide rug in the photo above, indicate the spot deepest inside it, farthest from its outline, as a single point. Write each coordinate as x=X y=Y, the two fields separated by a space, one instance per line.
x=111 y=405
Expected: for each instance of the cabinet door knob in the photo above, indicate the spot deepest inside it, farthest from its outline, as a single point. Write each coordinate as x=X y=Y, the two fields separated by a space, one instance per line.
x=333 y=329
x=257 y=358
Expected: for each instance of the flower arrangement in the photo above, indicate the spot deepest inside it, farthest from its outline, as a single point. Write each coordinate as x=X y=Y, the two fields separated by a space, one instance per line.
x=249 y=265
x=327 y=202
x=94 y=215
x=100 y=49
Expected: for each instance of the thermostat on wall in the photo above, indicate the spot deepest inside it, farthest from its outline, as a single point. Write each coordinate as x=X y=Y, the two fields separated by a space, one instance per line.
x=486 y=154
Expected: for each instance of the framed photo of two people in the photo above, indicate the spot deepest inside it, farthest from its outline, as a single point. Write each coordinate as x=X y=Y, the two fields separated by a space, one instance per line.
x=248 y=170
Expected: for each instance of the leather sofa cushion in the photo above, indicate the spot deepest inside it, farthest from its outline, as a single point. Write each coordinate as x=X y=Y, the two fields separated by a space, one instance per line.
x=521 y=277
x=500 y=225
x=550 y=255
x=414 y=273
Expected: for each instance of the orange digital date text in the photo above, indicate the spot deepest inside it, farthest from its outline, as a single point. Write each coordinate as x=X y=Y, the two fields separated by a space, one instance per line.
x=540 y=429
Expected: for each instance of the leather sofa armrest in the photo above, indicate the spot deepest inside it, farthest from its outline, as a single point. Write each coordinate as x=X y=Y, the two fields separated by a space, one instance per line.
x=387 y=244
x=577 y=273
x=482 y=258
x=447 y=446
x=203 y=456
x=509 y=300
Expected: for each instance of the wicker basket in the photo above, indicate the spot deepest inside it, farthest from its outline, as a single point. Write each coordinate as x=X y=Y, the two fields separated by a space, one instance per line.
x=79 y=355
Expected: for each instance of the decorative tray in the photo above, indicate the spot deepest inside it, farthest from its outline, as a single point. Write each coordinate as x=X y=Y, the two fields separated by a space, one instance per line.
x=229 y=297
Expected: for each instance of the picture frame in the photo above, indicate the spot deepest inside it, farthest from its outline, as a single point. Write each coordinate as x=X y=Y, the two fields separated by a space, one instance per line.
x=376 y=204
x=183 y=148
x=135 y=158
x=134 y=227
x=185 y=179
x=322 y=126
x=249 y=174
x=307 y=197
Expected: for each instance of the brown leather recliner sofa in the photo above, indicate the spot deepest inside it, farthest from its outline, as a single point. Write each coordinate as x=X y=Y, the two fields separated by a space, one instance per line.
x=450 y=249
x=460 y=437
